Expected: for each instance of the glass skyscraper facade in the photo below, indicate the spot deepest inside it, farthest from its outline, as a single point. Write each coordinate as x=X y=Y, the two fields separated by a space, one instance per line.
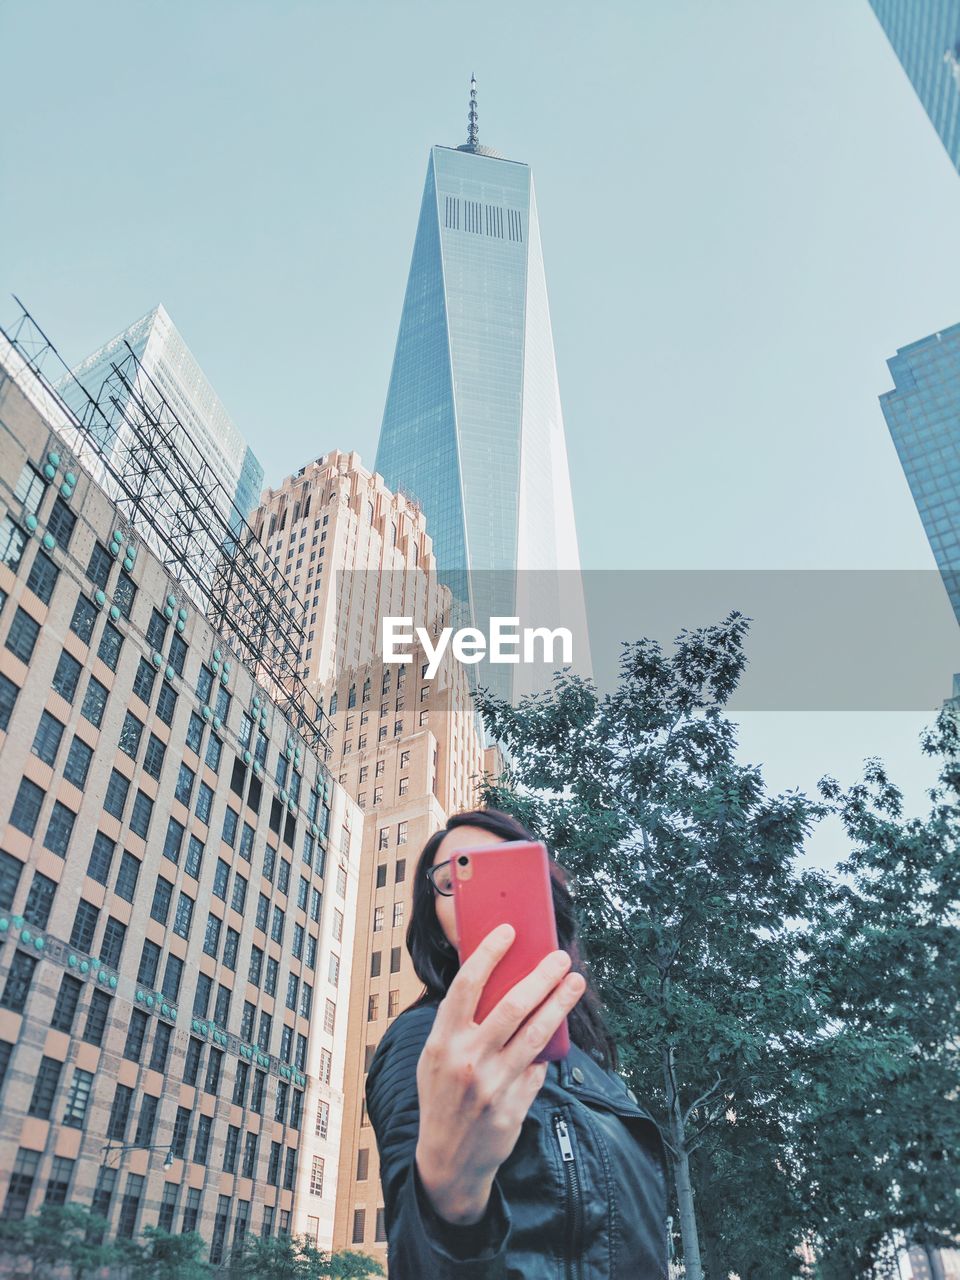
x=925 y=35
x=473 y=428
x=169 y=362
x=923 y=414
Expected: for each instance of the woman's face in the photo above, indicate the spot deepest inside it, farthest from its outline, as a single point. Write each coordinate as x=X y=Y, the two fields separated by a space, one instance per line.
x=455 y=840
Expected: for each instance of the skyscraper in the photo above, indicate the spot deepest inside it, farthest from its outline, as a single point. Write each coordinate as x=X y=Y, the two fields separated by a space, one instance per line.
x=926 y=38
x=472 y=427
x=169 y=362
x=923 y=414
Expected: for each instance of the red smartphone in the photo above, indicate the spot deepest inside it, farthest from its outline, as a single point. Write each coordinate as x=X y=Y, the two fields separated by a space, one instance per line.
x=508 y=883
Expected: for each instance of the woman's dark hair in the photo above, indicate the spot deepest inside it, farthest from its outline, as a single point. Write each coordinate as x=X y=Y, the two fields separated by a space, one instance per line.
x=436 y=963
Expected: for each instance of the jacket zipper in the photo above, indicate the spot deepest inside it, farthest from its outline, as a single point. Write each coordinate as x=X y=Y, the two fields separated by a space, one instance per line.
x=574 y=1217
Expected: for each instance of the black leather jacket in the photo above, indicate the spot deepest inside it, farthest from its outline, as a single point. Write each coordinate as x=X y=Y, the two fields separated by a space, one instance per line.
x=582 y=1196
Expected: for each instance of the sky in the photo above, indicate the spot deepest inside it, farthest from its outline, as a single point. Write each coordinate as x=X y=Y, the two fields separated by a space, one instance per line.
x=744 y=213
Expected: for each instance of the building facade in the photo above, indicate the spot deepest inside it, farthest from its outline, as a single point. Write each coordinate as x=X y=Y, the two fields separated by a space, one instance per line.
x=926 y=39
x=165 y=358
x=407 y=748
x=178 y=884
x=473 y=427
x=923 y=414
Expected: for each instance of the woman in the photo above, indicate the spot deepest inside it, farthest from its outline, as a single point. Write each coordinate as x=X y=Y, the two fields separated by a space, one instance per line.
x=494 y=1166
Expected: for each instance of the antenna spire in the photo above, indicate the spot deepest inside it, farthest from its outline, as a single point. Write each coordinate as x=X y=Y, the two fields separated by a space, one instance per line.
x=473 y=131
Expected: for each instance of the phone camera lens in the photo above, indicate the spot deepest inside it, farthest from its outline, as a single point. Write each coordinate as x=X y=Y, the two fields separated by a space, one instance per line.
x=463 y=860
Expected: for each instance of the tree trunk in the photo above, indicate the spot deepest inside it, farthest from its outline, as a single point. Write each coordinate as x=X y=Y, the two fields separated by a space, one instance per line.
x=935 y=1262
x=693 y=1267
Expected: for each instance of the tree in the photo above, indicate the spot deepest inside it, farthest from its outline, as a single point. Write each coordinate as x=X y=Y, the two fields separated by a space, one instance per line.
x=297 y=1258
x=691 y=899
x=164 y=1256
x=58 y=1236
x=886 y=1128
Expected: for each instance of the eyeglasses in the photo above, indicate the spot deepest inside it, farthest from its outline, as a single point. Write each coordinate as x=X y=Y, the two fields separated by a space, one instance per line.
x=441 y=877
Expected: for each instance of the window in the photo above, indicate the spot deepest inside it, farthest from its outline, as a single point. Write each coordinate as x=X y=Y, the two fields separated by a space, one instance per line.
x=342 y=881
x=373 y=1007
x=404 y=759
x=194 y=857
x=202 y=994
x=266 y=1030
x=166 y=703
x=256 y=965
x=59 y=829
x=377 y=919
x=230 y=822
x=8 y=698
x=231 y=948
x=239 y=898
x=204 y=802
x=376 y=958
x=46 y=741
x=329 y=1016
x=23 y=635
x=144 y=680
x=359 y=1219
x=363 y=1164
x=393 y=1004
x=94 y=702
x=191 y=1066
x=201 y=1145
x=68 y=997
x=21 y=1183
x=183 y=917
x=221 y=1008
x=67 y=676
x=36 y=910
x=153 y=756
x=130 y=735
x=78 y=763
x=172 y=977
x=397 y=914
x=45 y=1088
x=323 y=1119
x=147 y=1120
x=293 y=990
x=12 y=541
x=380 y=1231
x=394 y=959
x=280 y=1102
x=276 y=929
x=240 y=1080
x=26 y=807
x=249 y=1167
x=173 y=840
x=177 y=654
x=161 y=1047
x=299 y=934
x=400 y=872
x=160 y=907
x=311 y=952
x=140 y=817
x=149 y=963
x=230 y=1149
x=84 y=925
x=126 y=885
x=136 y=1034
x=191 y=1213
x=119 y=1113
x=168 y=1206
x=111 y=643
x=181 y=1130
x=156 y=630
x=194 y=733
x=377 y=795
x=221 y=878
x=211 y=937
x=383 y=842
x=286 y=1043
x=184 y=788
x=334 y=971
x=103 y=1197
x=30 y=488
x=316 y=1176
x=214 y=1067
x=115 y=798
x=381 y=875
x=61 y=522
x=272 y=974
x=214 y=751
x=111 y=945
x=124 y=594
x=401 y=833
x=78 y=1098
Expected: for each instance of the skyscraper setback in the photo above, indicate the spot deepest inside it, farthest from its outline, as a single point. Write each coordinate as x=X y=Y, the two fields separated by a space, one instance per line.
x=473 y=427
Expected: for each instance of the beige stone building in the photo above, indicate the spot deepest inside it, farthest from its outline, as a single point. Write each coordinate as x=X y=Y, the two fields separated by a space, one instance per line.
x=179 y=878
x=407 y=748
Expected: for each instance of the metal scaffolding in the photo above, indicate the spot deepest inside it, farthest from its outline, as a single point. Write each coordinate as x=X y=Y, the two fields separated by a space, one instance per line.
x=164 y=489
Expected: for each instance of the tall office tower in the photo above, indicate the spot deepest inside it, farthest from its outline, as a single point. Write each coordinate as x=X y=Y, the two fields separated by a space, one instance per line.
x=926 y=39
x=472 y=427
x=178 y=873
x=923 y=414
x=165 y=359
x=407 y=747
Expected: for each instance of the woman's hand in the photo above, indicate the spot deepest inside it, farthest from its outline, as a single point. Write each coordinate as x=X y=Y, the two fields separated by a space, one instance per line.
x=476 y=1082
